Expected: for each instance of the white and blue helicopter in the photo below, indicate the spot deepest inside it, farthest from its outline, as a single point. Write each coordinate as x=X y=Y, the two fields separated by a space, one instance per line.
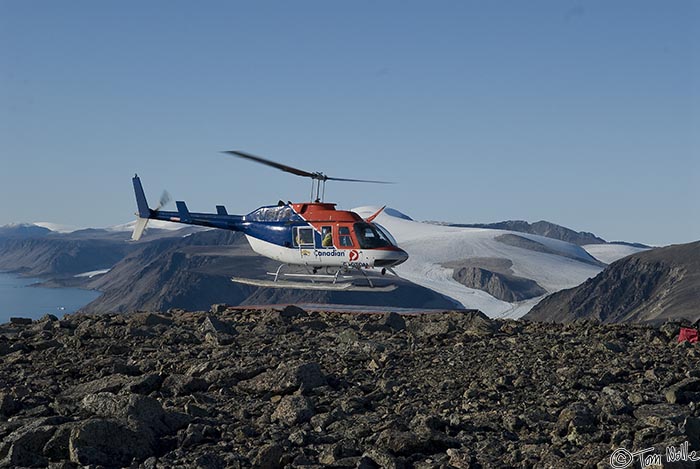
x=312 y=235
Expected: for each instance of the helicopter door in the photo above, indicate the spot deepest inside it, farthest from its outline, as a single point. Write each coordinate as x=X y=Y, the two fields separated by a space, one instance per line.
x=304 y=241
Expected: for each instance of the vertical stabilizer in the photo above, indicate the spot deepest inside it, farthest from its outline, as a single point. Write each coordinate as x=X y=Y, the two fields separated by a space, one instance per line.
x=139 y=228
x=141 y=203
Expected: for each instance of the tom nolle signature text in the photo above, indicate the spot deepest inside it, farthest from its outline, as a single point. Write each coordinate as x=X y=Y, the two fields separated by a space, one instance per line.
x=622 y=458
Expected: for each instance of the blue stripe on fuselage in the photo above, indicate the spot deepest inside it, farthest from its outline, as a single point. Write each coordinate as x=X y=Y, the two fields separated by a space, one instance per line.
x=280 y=233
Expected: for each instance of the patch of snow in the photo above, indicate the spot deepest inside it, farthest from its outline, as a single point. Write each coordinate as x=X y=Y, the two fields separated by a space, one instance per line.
x=430 y=245
x=93 y=273
x=56 y=227
x=609 y=253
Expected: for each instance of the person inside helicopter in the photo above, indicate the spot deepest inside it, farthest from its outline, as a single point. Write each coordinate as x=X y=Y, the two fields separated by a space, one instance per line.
x=327 y=237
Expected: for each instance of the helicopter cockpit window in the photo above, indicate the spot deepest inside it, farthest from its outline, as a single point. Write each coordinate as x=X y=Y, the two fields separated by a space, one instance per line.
x=304 y=237
x=279 y=213
x=369 y=237
x=344 y=236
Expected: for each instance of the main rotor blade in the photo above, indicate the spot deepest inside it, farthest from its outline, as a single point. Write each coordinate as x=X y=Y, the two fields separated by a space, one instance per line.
x=358 y=180
x=274 y=164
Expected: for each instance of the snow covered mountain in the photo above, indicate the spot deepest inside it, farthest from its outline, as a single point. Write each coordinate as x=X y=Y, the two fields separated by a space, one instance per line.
x=610 y=252
x=438 y=253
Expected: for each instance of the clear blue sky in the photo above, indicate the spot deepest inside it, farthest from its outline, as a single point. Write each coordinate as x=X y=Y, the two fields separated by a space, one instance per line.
x=581 y=113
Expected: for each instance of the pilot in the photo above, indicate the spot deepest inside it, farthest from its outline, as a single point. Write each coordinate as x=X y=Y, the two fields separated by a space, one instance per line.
x=327 y=240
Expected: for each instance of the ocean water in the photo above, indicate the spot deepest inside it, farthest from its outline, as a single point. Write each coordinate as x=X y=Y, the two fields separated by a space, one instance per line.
x=19 y=299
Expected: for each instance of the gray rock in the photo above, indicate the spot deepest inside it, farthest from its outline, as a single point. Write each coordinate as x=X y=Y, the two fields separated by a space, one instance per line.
x=56 y=449
x=150 y=319
x=684 y=391
x=20 y=321
x=24 y=447
x=183 y=385
x=135 y=408
x=112 y=383
x=217 y=326
x=424 y=326
x=401 y=442
x=145 y=384
x=218 y=308
x=109 y=443
x=576 y=417
x=218 y=340
x=286 y=379
x=381 y=459
x=660 y=415
x=474 y=323
x=292 y=312
x=293 y=410
x=393 y=320
x=269 y=456
x=8 y=405
x=210 y=461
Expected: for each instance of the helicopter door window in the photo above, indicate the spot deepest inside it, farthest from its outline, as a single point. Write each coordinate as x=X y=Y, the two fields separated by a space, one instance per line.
x=304 y=237
x=327 y=236
x=344 y=236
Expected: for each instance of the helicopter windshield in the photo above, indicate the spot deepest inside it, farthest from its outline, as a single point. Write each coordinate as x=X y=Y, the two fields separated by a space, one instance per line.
x=368 y=236
x=386 y=233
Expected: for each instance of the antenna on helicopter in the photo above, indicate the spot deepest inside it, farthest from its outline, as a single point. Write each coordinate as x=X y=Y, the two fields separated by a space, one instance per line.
x=318 y=179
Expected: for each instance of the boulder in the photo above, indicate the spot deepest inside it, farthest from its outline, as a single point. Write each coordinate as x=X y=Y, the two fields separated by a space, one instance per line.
x=20 y=321
x=183 y=385
x=286 y=379
x=394 y=321
x=109 y=443
x=293 y=410
x=136 y=409
x=269 y=456
x=24 y=447
x=683 y=391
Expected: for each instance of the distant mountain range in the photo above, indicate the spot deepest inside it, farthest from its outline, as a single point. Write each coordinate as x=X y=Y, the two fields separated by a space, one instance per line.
x=502 y=269
x=184 y=268
x=651 y=286
x=542 y=228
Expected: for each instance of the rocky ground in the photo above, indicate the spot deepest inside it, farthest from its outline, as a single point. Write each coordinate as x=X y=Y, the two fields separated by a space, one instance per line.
x=232 y=388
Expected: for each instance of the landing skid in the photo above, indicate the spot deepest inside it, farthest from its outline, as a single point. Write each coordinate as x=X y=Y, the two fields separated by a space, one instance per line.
x=332 y=281
x=341 y=286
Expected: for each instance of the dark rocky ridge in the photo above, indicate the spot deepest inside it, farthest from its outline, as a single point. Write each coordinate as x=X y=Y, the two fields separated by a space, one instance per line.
x=59 y=256
x=650 y=286
x=542 y=228
x=494 y=276
x=292 y=389
x=38 y=252
x=526 y=243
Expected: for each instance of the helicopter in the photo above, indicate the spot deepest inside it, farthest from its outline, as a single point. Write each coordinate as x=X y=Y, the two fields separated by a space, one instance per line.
x=311 y=235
